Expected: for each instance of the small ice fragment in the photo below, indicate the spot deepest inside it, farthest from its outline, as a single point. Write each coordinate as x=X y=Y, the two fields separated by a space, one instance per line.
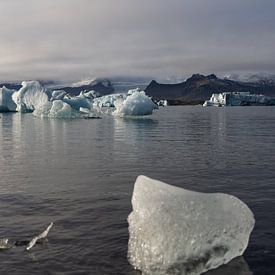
x=4 y=243
x=41 y=236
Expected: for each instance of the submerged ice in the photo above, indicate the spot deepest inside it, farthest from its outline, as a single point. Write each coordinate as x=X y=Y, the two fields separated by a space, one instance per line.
x=176 y=231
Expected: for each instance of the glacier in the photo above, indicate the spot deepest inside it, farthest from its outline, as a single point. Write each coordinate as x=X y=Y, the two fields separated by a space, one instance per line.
x=176 y=231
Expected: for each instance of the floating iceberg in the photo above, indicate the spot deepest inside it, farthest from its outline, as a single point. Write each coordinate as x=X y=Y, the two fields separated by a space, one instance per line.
x=58 y=95
x=6 y=102
x=65 y=107
x=238 y=99
x=176 y=231
x=136 y=104
x=31 y=96
x=56 y=109
x=78 y=102
x=108 y=100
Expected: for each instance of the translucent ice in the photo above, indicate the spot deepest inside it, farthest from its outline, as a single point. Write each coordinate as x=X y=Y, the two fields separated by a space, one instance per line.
x=176 y=231
x=40 y=236
x=6 y=102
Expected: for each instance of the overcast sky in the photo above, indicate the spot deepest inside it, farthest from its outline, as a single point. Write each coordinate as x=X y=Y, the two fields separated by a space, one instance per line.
x=75 y=39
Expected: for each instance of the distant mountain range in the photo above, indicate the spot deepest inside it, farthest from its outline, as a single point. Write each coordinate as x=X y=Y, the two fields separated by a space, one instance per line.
x=198 y=88
x=100 y=85
x=194 y=90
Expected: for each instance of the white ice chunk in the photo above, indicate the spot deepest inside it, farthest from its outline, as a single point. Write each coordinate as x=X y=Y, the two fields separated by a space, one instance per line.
x=58 y=95
x=176 y=231
x=56 y=109
x=108 y=100
x=77 y=102
x=237 y=99
x=6 y=102
x=4 y=243
x=84 y=110
x=31 y=96
x=131 y=91
x=136 y=104
x=41 y=236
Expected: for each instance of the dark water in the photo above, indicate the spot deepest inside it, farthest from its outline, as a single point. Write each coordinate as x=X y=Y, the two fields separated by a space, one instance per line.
x=80 y=175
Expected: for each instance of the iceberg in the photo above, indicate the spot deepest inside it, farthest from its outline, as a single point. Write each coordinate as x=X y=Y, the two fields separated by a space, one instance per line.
x=58 y=95
x=136 y=104
x=6 y=102
x=177 y=231
x=61 y=105
x=31 y=96
x=56 y=109
x=78 y=102
x=108 y=100
x=239 y=99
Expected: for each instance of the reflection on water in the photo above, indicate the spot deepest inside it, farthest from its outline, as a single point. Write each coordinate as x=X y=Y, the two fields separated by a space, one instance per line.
x=237 y=266
x=80 y=175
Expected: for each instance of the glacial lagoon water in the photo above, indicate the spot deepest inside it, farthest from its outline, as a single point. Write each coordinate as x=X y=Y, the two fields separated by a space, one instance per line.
x=80 y=175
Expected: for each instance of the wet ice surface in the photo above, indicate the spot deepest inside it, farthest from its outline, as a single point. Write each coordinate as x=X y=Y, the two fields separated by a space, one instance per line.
x=177 y=231
x=80 y=174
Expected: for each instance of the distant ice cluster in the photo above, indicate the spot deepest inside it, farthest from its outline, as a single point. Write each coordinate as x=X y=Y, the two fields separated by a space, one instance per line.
x=33 y=97
x=239 y=99
x=177 y=231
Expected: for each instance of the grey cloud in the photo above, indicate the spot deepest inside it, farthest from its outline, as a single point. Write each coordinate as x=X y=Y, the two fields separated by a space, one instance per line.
x=78 y=38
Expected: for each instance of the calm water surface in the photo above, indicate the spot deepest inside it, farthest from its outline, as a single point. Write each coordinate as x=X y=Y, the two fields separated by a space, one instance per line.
x=80 y=175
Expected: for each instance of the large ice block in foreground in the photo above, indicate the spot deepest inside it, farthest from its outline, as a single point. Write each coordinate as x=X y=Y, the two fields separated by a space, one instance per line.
x=176 y=231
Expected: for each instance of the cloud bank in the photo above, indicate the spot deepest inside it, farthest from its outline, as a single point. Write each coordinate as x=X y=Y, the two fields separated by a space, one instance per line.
x=69 y=39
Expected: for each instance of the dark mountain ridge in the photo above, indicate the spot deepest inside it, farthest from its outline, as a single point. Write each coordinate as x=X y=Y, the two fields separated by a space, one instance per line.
x=198 y=88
